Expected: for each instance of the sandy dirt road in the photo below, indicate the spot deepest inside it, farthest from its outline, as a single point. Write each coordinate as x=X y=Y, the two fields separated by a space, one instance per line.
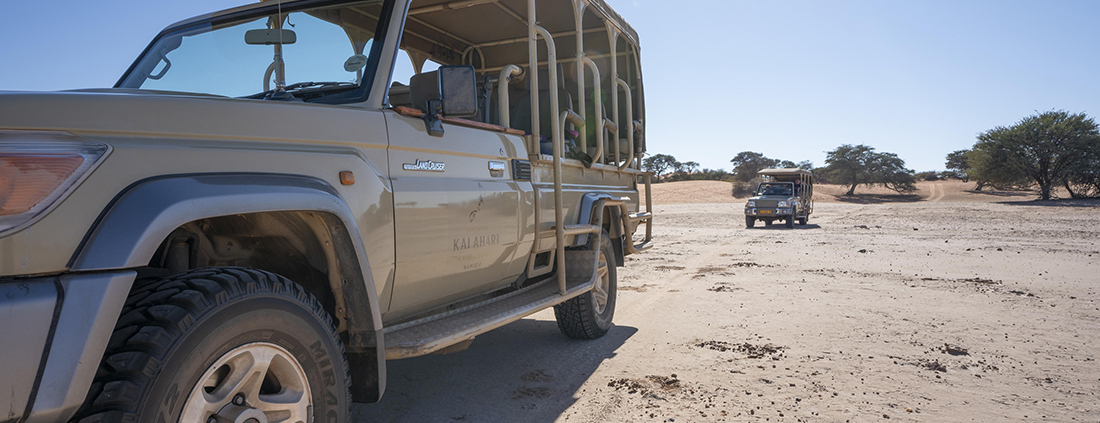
x=844 y=319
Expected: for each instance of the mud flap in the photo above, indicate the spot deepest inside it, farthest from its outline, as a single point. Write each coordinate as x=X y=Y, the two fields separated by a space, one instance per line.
x=581 y=265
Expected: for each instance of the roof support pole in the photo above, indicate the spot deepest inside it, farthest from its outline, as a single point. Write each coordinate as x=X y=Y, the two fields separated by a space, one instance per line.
x=578 y=17
x=601 y=122
x=558 y=139
x=613 y=41
x=630 y=125
x=505 y=77
x=533 y=32
x=533 y=75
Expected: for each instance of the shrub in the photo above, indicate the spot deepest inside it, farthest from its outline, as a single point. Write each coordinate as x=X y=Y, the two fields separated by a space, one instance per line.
x=742 y=189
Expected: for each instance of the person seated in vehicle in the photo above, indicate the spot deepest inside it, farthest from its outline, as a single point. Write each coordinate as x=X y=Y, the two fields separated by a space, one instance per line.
x=777 y=189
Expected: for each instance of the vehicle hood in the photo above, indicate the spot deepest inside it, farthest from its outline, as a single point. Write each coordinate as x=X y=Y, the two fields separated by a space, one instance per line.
x=770 y=200
x=151 y=114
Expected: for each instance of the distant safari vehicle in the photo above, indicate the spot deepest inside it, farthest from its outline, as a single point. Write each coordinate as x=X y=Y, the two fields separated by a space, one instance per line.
x=785 y=194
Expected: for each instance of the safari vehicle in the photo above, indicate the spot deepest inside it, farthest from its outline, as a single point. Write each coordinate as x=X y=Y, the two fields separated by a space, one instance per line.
x=785 y=194
x=275 y=199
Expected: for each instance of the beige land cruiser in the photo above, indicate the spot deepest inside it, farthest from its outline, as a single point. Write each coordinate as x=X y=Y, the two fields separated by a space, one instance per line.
x=275 y=199
x=785 y=194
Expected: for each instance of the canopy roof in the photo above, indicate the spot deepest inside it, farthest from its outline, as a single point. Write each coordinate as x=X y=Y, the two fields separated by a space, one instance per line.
x=786 y=172
x=448 y=29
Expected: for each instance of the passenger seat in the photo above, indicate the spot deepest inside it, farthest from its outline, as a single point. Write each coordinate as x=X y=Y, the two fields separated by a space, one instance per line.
x=521 y=112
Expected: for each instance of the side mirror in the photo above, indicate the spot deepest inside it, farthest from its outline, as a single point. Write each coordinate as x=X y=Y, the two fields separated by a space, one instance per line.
x=267 y=37
x=450 y=91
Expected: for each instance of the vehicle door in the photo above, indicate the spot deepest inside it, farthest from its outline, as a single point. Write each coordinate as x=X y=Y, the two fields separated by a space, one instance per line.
x=456 y=212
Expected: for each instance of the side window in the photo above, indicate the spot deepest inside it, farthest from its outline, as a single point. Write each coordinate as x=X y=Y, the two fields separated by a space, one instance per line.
x=403 y=70
x=430 y=65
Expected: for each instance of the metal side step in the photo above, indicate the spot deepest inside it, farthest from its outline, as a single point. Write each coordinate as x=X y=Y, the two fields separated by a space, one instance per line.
x=641 y=217
x=433 y=333
x=579 y=229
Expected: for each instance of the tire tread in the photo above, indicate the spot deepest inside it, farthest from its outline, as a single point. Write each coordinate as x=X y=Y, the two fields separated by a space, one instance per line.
x=157 y=314
x=575 y=317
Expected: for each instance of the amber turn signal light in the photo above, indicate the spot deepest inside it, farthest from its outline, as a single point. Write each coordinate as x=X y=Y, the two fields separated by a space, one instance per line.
x=38 y=169
x=27 y=179
x=347 y=178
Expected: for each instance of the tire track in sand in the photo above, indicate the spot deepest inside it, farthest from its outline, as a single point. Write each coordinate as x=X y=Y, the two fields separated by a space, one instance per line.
x=937 y=193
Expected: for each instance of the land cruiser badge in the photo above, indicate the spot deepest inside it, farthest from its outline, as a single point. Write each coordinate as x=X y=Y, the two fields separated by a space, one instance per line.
x=426 y=165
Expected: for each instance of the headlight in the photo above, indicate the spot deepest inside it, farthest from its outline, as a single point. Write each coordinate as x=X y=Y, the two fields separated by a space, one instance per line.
x=750 y=203
x=783 y=204
x=37 y=170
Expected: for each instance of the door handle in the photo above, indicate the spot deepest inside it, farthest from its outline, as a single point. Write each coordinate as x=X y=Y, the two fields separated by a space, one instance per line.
x=496 y=169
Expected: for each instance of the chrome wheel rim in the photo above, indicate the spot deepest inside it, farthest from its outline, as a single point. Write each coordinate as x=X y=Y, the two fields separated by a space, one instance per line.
x=603 y=284
x=258 y=382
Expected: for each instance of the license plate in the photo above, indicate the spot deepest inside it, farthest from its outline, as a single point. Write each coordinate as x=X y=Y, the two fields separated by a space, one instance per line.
x=764 y=211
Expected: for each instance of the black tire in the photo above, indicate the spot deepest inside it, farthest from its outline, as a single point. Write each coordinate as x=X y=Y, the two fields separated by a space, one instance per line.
x=173 y=330
x=802 y=221
x=750 y=221
x=790 y=221
x=579 y=318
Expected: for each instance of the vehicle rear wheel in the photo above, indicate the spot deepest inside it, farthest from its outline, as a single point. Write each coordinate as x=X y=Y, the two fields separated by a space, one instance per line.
x=750 y=221
x=224 y=345
x=588 y=316
x=790 y=221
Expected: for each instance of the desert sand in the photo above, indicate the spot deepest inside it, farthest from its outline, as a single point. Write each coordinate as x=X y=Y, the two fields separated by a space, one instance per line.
x=942 y=306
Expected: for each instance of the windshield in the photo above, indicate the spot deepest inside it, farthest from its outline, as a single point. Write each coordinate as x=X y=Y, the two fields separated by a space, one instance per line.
x=316 y=52
x=774 y=189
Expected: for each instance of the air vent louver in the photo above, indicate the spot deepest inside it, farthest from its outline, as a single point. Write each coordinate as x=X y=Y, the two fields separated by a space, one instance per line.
x=521 y=170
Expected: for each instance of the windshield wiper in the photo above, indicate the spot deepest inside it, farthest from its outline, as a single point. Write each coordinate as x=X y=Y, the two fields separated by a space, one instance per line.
x=299 y=87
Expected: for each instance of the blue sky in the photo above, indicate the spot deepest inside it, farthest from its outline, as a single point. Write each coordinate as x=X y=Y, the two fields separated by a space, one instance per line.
x=791 y=79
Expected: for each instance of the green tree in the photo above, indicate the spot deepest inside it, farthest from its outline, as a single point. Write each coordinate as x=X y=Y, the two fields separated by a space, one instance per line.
x=855 y=165
x=847 y=165
x=805 y=165
x=889 y=170
x=959 y=163
x=658 y=164
x=691 y=167
x=747 y=164
x=985 y=171
x=1048 y=148
x=1084 y=178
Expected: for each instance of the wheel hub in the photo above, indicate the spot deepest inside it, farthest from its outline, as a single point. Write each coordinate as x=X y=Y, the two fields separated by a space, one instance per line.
x=233 y=413
x=258 y=382
x=603 y=284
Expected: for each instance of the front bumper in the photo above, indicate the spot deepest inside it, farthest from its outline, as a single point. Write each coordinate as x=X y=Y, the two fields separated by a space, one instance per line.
x=767 y=212
x=54 y=331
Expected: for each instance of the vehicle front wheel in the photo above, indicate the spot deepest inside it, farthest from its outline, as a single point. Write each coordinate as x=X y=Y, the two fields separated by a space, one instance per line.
x=803 y=220
x=750 y=221
x=789 y=221
x=588 y=316
x=222 y=345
